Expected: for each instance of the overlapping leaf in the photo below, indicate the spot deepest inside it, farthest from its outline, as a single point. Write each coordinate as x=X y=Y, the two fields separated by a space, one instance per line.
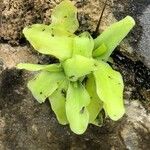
x=44 y=84
x=100 y=50
x=96 y=104
x=37 y=67
x=65 y=16
x=76 y=107
x=109 y=85
x=58 y=100
x=83 y=45
x=113 y=35
x=78 y=66
x=46 y=41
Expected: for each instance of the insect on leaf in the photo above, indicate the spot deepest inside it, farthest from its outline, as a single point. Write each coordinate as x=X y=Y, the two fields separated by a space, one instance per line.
x=83 y=45
x=109 y=86
x=58 y=100
x=65 y=16
x=44 y=84
x=76 y=103
x=113 y=35
x=37 y=67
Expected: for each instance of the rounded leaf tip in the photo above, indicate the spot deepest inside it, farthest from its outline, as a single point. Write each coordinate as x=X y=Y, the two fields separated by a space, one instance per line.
x=117 y=115
x=130 y=20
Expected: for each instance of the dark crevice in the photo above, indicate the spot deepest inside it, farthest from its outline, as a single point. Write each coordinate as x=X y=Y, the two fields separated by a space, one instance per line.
x=135 y=74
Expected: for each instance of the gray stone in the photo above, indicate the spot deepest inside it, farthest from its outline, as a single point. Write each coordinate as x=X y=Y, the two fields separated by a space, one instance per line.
x=144 y=44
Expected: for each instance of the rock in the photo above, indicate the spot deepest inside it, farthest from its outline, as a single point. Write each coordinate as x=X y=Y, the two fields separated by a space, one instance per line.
x=136 y=131
x=26 y=124
x=144 y=43
x=11 y=56
x=2 y=131
x=139 y=37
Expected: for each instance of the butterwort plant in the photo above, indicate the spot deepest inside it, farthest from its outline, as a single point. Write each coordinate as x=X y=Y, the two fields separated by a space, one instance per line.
x=82 y=84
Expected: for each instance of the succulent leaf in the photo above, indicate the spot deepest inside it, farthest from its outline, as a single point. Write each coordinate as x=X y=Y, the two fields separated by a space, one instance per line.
x=46 y=41
x=58 y=100
x=76 y=102
x=78 y=66
x=44 y=84
x=100 y=50
x=113 y=35
x=110 y=86
x=65 y=16
x=96 y=104
x=37 y=67
x=83 y=45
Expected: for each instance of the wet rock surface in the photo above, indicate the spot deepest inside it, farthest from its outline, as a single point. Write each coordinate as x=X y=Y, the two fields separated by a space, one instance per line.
x=139 y=39
x=26 y=124
x=144 y=44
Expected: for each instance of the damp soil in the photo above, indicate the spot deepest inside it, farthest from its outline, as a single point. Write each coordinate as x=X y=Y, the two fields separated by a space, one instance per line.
x=27 y=125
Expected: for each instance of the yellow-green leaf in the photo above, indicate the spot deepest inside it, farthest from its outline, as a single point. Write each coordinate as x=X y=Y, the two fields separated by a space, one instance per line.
x=113 y=35
x=96 y=104
x=76 y=103
x=83 y=45
x=78 y=66
x=58 y=100
x=37 y=67
x=100 y=50
x=65 y=16
x=109 y=86
x=47 y=41
x=44 y=84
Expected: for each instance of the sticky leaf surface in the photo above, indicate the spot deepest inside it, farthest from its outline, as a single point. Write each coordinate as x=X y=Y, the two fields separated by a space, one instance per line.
x=83 y=45
x=109 y=86
x=96 y=104
x=37 y=67
x=77 y=113
x=113 y=35
x=78 y=66
x=47 y=42
x=65 y=16
x=44 y=84
x=58 y=100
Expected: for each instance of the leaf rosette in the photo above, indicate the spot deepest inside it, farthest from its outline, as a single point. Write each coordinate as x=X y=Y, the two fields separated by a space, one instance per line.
x=82 y=84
